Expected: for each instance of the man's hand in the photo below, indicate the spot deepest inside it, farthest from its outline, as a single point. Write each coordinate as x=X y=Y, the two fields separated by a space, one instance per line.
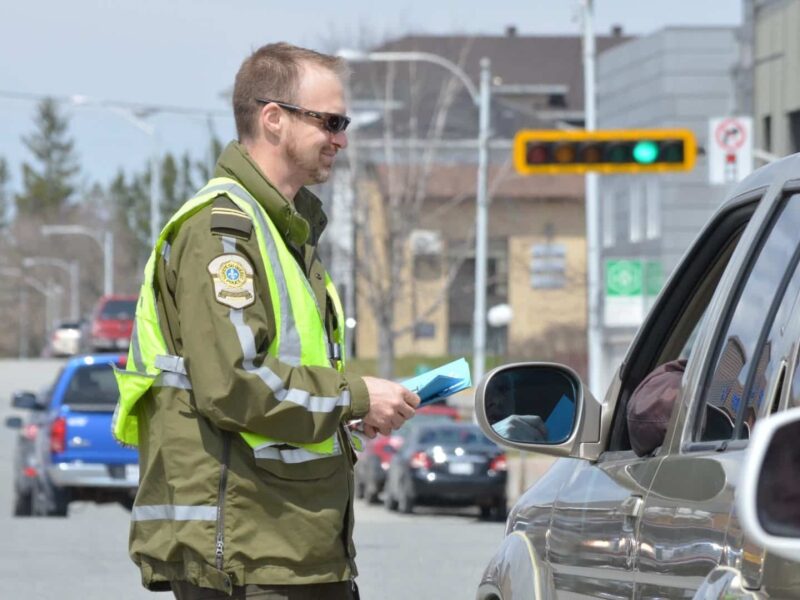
x=390 y=405
x=522 y=428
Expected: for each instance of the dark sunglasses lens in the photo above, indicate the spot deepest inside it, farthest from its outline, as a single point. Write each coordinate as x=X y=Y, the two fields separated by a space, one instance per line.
x=337 y=123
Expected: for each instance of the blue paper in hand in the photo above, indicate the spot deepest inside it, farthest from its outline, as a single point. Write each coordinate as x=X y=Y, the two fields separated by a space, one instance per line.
x=438 y=384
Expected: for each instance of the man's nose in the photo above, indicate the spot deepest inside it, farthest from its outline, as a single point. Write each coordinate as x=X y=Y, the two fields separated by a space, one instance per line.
x=340 y=140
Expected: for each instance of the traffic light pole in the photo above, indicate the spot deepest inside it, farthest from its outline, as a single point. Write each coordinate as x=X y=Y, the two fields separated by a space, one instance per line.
x=594 y=332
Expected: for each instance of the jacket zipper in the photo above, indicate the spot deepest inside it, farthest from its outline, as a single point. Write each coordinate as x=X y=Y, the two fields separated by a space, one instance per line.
x=223 y=484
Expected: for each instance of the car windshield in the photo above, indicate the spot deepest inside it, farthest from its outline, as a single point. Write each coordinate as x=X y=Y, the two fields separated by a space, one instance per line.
x=454 y=435
x=118 y=309
x=92 y=384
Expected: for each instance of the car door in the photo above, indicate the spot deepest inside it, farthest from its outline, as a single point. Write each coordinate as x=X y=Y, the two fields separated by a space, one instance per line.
x=733 y=378
x=593 y=538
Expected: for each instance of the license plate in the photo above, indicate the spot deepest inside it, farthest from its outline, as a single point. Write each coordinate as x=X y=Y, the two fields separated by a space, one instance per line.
x=132 y=473
x=461 y=468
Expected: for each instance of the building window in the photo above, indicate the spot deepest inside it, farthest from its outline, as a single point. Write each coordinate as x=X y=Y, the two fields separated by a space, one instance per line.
x=767 y=124
x=548 y=266
x=635 y=209
x=426 y=246
x=609 y=223
x=653 y=209
x=794 y=131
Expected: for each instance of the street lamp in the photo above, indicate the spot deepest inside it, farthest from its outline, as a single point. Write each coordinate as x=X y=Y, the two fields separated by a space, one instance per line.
x=482 y=100
x=134 y=116
x=105 y=241
x=72 y=267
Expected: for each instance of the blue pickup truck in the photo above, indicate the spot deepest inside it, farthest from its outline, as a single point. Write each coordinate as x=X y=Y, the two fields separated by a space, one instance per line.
x=65 y=450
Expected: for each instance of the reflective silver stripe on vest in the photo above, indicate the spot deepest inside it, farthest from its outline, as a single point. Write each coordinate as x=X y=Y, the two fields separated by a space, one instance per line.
x=171 y=363
x=173 y=380
x=165 y=251
x=273 y=382
x=172 y=512
x=228 y=244
x=290 y=346
x=293 y=455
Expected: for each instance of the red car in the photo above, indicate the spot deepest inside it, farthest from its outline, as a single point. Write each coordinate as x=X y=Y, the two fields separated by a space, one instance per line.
x=112 y=323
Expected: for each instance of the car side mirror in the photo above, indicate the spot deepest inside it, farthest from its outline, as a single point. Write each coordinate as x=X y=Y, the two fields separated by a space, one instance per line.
x=25 y=400
x=14 y=422
x=530 y=403
x=768 y=495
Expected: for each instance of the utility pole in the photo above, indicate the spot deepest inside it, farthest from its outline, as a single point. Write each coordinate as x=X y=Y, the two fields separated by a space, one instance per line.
x=593 y=270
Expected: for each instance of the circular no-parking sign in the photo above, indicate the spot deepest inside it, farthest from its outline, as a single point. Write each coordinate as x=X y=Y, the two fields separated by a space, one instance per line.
x=730 y=134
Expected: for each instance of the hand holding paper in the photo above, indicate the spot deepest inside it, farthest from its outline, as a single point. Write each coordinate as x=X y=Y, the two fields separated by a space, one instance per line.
x=440 y=383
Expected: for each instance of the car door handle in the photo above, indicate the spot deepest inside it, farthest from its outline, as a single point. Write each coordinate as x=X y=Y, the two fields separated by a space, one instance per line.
x=632 y=506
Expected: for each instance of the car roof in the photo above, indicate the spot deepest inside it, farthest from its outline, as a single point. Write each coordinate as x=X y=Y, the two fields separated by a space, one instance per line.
x=94 y=359
x=783 y=170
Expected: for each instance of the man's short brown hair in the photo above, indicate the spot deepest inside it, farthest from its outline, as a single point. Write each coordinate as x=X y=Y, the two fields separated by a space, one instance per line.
x=273 y=71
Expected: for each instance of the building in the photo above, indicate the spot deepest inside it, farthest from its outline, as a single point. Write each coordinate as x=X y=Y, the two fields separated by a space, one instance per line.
x=676 y=77
x=776 y=60
x=413 y=160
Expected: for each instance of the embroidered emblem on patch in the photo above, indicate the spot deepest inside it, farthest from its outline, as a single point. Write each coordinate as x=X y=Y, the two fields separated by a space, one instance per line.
x=233 y=280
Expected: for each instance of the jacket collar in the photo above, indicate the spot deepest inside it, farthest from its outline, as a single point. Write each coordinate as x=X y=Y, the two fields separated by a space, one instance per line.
x=299 y=222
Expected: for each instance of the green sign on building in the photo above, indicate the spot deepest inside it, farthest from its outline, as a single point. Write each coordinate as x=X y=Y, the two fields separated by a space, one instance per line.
x=623 y=278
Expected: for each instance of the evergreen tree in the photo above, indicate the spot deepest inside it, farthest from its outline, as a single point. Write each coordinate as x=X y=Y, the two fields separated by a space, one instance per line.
x=171 y=198
x=5 y=203
x=48 y=184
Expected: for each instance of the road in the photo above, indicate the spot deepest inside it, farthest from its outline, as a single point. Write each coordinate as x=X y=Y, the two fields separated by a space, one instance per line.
x=436 y=554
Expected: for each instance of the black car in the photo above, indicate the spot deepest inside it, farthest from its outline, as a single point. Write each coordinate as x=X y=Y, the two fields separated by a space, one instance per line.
x=448 y=464
x=373 y=463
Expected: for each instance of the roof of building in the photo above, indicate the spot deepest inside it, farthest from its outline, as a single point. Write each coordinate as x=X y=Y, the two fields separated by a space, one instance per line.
x=540 y=79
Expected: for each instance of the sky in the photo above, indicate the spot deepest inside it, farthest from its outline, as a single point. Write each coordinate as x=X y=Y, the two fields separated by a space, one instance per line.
x=186 y=53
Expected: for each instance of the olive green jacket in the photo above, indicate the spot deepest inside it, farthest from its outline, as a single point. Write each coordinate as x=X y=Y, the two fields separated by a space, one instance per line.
x=237 y=520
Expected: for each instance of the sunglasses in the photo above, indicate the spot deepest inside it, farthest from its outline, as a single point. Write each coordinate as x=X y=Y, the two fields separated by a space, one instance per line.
x=332 y=122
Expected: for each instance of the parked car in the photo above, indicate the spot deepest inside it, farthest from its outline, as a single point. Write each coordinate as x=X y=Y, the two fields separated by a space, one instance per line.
x=66 y=339
x=606 y=522
x=112 y=323
x=24 y=469
x=373 y=462
x=65 y=450
x=447 y=464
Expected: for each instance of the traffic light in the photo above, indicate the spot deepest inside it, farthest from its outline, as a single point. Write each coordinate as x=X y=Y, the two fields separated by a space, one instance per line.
x=609 y=151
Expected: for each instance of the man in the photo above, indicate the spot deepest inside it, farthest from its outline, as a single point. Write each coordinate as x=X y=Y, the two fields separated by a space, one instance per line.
x=235 y=390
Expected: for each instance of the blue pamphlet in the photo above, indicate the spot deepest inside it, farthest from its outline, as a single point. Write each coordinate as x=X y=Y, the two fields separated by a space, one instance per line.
x=559 y=422
x=438 y=384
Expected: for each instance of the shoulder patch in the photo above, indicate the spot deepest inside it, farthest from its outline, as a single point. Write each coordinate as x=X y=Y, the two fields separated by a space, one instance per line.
x=232 y=276
x=227 y=219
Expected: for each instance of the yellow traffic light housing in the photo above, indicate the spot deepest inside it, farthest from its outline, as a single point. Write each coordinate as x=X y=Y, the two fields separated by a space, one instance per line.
x=609 y=151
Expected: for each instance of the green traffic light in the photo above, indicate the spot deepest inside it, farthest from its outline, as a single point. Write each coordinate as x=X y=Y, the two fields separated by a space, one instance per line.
x=645 y=152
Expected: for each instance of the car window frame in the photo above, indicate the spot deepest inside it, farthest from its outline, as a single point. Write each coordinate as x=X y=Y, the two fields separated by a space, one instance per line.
x=720 y=327
x=675 y=299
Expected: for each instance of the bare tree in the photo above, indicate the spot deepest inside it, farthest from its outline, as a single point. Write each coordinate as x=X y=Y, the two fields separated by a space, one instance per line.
x=390 y=199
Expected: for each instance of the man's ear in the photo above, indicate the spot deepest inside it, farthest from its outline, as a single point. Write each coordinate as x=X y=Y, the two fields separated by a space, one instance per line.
x=272 y=120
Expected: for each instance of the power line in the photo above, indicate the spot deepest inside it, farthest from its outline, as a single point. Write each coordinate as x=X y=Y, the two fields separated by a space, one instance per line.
x=138 y=108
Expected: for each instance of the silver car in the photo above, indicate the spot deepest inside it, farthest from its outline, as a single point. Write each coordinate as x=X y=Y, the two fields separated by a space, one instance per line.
x=606 y=522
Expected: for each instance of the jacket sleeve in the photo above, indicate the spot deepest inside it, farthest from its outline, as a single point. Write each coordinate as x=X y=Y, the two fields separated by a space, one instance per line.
x=235 y=383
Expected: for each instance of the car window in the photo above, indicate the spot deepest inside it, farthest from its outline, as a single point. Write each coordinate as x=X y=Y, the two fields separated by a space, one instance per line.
x=674 y=322
x=453 y=436
x=92 y=384
x=118 y=309
x=741 y=361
